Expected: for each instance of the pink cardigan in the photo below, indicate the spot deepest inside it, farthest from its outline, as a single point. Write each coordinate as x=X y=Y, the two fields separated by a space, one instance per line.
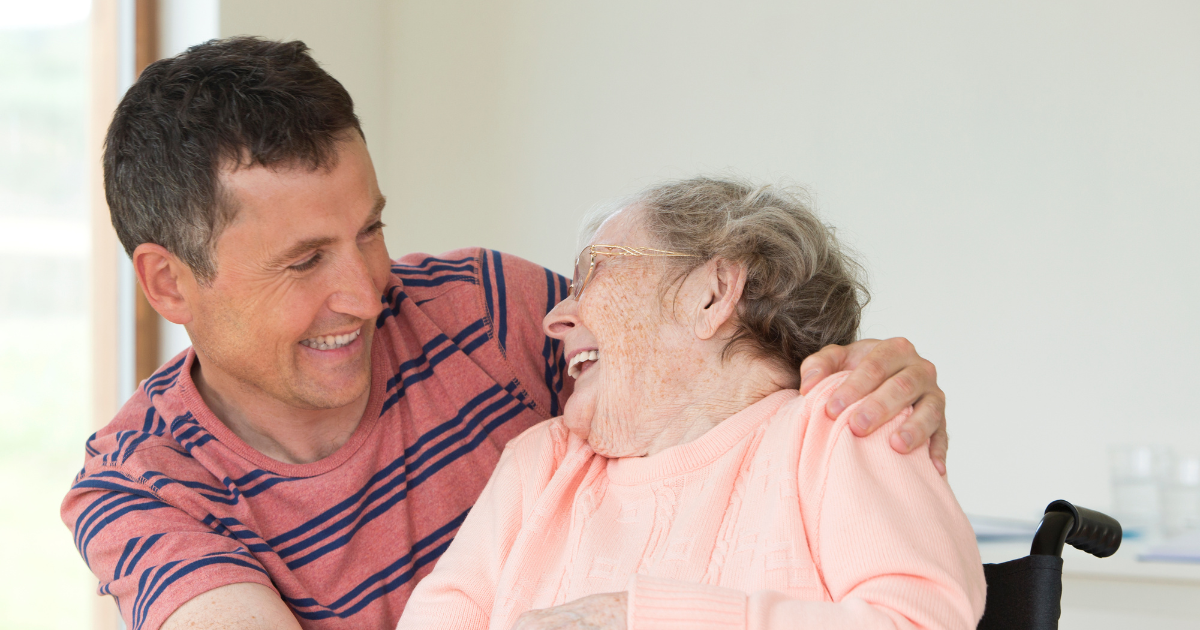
x=776 y=518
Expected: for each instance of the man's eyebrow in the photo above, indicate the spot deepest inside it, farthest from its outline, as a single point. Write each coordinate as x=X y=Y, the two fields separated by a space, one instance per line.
x=295 y=251
x=377 y=211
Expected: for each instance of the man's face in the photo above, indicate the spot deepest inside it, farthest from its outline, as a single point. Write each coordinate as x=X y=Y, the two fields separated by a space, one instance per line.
x=300 y=270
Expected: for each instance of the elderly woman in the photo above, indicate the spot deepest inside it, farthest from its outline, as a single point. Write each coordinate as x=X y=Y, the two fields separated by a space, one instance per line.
x=688 y=484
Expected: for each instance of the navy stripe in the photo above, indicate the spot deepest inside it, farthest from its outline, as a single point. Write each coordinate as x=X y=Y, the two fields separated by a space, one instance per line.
x=551 y=348
x=392 y=297
x=486 y=274
x=227 y=494
x=148 y=598
x=383 y=576
x=414 y=378
x=383 y=507
x=457 y=420
x=471 y=347
x=144 y=587
x=438 y=281
x=420 y=359
x=407 y=270
x=111 y=518
x=146 y=547
x=401 y=483
x=152 y=426
x=164 y=374
x=158 y=389
x=432 y=259
x=502 y=298
x=129 y=546
x=92 y=512
x=471 y=329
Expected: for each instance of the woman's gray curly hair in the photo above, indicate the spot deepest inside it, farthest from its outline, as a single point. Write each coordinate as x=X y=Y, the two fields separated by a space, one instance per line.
x=802 y=290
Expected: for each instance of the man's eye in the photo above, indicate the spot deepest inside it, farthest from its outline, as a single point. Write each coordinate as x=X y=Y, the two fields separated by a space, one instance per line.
x=374 y=229
x=307 y=264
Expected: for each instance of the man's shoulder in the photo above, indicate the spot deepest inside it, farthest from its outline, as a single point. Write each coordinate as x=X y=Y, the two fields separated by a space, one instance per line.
x=153 y=435
x=491 y=273
x=142 y=443
x=488 y=305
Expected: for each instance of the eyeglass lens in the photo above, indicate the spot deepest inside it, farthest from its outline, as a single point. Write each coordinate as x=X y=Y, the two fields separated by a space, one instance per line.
x=582 y=265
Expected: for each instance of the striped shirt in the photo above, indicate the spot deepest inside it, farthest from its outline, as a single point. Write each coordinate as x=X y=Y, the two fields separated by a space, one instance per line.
x=171 y=504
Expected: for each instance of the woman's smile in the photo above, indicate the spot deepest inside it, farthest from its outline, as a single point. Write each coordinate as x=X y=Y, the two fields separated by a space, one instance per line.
x=581 y=360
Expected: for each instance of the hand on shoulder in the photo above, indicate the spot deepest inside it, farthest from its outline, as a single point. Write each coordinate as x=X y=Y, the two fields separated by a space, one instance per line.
x=887 y=376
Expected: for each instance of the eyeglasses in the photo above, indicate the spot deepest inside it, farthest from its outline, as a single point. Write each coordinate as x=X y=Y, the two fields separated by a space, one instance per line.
x=587 y=259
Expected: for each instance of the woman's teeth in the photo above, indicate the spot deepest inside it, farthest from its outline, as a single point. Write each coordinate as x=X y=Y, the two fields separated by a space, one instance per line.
x=330 y=342
x=577 y=361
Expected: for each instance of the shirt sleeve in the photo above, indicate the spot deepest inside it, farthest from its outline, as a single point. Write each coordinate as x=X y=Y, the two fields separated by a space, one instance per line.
x=518 y=294
x=893 y=547
x=149 y=556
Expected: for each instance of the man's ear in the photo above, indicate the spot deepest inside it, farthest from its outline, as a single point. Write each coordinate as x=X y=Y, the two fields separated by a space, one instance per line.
x=723 y=286
x=161 y=275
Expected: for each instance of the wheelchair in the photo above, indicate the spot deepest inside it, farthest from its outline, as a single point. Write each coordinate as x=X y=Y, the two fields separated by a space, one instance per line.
x=1025 y=594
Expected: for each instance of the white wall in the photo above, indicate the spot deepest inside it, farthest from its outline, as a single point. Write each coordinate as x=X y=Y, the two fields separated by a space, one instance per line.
x=348 y=38
x=1022 y=179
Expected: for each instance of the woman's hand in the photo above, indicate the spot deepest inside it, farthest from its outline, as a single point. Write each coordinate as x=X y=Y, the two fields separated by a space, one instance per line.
x=894 y=376
x=603 y=611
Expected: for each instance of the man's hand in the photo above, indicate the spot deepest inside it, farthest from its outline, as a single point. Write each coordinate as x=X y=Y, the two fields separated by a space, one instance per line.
x=604 y=611
x=894 y=376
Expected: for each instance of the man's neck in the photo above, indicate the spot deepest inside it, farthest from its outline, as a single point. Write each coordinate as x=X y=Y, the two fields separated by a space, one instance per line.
x=272 y=427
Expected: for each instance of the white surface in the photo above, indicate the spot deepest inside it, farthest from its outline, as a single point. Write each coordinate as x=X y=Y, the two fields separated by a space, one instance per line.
x=22 y=14
x=184 y=23
x=1020 y=178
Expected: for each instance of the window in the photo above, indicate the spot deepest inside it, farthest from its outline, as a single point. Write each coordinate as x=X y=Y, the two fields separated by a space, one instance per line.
x=45 y=251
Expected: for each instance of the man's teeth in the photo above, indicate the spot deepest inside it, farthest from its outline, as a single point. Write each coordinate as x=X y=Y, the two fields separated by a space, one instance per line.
x=576 y=366
x=330 y=342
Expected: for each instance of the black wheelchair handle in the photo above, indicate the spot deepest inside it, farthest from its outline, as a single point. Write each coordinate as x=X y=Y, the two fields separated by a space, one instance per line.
x=1087 y=530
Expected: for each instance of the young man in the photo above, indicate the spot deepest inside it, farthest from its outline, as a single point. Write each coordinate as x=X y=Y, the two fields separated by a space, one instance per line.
x=313 y=453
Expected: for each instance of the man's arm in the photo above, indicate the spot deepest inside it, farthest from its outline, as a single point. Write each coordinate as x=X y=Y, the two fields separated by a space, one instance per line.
x=890 y=371
x=151 y=556
x=891 y=376
x=245 y=606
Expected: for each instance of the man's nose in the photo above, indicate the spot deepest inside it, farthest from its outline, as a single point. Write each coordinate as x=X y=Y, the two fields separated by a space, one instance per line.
x=355 y=292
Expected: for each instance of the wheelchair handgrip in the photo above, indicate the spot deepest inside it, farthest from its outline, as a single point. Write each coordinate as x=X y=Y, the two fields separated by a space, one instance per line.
x=1094 y=532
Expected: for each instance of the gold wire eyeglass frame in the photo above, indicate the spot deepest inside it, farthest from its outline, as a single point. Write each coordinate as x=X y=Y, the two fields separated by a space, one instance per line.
x=592 y=251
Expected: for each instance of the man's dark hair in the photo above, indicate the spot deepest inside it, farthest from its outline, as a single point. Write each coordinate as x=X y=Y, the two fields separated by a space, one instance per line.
x=238 y=102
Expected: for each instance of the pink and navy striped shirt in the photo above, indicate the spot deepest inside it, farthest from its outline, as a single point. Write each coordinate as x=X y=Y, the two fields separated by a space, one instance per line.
x=171 y=504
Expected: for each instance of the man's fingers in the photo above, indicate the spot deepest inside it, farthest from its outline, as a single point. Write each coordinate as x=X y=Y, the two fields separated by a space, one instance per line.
x=870 y=373
x=902 y=389
x=894 y=376
x=939 y=445
x=927 y=422
x=829 y=360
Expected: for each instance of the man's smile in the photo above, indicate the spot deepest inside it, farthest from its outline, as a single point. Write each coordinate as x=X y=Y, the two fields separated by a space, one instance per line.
x=331 y=342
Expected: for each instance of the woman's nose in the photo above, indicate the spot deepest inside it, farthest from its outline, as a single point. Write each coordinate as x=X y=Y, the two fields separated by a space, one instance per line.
x=562 y=318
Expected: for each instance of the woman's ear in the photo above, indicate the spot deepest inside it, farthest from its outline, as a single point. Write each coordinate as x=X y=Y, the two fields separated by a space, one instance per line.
x=724 y=282
x=161 y=275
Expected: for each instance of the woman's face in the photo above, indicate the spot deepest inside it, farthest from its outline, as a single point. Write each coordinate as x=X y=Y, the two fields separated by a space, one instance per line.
x=645 y=357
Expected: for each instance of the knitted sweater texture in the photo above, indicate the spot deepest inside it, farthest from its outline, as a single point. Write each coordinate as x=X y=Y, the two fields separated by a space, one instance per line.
x=776 y=518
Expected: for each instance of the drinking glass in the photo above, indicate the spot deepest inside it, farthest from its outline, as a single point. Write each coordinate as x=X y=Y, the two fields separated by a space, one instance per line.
x=1137 y=475
x=1181 y=494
